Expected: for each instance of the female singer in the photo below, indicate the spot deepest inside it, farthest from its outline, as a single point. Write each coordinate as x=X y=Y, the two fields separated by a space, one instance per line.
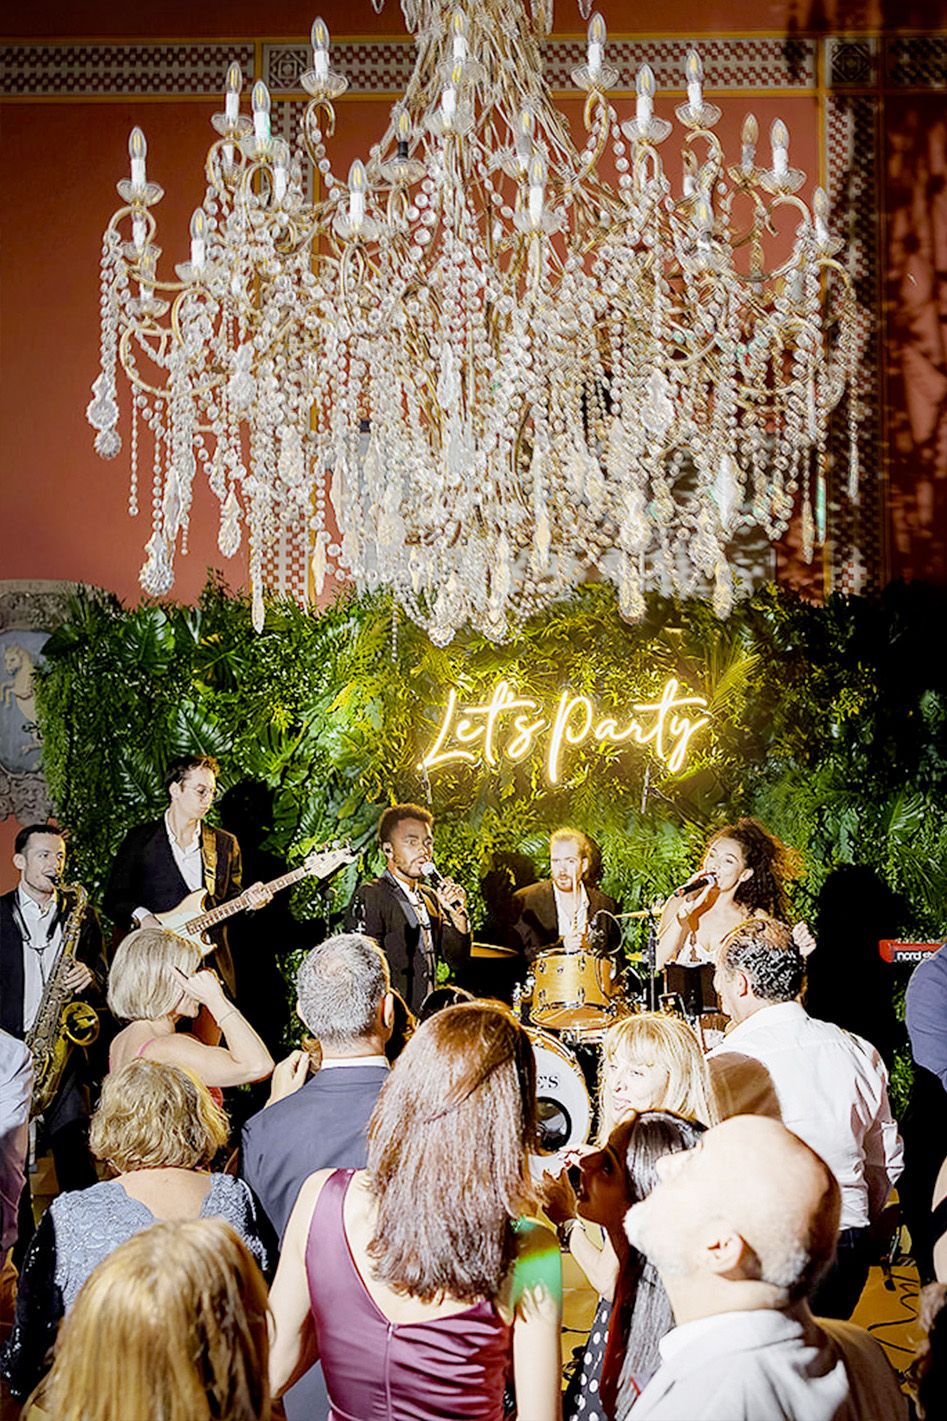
x=746 y=869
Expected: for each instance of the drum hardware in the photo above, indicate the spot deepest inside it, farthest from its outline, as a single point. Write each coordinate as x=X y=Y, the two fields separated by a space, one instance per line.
x=491 y=949
x=563 y=1104
x=572 y=987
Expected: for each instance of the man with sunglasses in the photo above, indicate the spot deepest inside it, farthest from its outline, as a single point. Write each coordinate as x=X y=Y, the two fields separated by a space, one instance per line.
x=161 y=862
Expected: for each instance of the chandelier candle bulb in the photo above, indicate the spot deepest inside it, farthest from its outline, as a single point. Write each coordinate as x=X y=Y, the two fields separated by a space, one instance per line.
x=198 y=234
x=280 y=173
x=644 y=88
x=751 y=132
x=404 y=133
x=537 y=188
x=261 y=112
x=357 y=194
x=596 y=44
x=138 y=232
x=458 y=25
x=137 y=152
x=820 y=209
x=449 y=97
x=320 y=49
x=233 y=91
x=694 y=71
x=779 y=138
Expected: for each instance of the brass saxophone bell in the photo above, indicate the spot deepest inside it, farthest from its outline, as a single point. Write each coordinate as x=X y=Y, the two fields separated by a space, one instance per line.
x=80 y=1023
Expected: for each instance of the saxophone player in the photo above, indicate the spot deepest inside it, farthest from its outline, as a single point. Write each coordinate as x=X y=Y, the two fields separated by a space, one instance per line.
x=32 y=920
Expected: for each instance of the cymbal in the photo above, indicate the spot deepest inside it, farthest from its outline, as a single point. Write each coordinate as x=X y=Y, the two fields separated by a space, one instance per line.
x=491 y=949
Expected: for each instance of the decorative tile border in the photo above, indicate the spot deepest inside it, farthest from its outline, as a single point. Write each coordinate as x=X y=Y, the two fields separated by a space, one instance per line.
x=851 y=141
x=385 y=67
x=916 y=62
x=125 y=70
x=851 y=63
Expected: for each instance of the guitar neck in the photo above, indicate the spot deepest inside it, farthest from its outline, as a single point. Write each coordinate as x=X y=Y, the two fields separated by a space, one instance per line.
x=213 y=916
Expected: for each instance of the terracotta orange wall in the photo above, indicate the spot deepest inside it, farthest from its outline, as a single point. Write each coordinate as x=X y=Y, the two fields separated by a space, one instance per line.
x=63 y=511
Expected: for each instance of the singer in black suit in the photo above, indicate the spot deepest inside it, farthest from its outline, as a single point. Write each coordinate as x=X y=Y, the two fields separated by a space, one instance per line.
x=160 y=863
x=561 y=910
x=417 y=927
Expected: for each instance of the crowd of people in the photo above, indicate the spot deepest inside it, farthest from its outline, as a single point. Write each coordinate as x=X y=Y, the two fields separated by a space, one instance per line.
x=382 y=1237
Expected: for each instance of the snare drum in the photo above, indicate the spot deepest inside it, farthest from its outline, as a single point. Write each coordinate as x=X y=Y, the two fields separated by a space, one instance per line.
x=563 y=1107
x=572 y=988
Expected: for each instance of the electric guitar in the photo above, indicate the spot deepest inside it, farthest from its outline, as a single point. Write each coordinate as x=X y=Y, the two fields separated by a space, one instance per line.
x=191 y=918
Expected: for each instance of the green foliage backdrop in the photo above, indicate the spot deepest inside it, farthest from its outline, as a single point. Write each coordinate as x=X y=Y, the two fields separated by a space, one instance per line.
x=830 y=723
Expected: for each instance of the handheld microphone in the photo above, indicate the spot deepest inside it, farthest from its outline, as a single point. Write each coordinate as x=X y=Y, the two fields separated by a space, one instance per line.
x=695 y=885
x=437 y=879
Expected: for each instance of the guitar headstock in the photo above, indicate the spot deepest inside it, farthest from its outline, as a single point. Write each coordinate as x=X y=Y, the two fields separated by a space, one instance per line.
x=321 y=862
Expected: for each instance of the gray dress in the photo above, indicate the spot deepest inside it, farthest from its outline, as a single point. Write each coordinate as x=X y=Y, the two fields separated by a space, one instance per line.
x=76 y=1233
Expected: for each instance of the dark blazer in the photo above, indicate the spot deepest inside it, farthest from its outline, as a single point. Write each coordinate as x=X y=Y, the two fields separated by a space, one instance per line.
x=144 y=875
x=534 y=924
x=378 y=909
x=321 y=1126
x=88 y=950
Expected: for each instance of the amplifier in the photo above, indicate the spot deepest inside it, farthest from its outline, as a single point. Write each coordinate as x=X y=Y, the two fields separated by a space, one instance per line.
x=894 y=951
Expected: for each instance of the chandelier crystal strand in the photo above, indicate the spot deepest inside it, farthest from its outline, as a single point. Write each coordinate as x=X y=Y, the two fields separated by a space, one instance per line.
x=506 y=363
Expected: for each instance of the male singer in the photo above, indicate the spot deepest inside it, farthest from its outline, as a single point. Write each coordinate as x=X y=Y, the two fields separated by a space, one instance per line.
x=416 y=925
x=561 y=910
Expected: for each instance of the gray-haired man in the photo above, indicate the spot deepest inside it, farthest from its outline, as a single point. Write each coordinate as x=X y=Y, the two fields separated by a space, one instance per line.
x=343 y=995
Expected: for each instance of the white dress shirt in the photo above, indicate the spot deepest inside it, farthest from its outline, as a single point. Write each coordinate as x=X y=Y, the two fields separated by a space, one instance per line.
x=188 y=858
x=16 y=1088
x=571 y=918
x=41 y=947
x=781 y=1366
x=827 y=1085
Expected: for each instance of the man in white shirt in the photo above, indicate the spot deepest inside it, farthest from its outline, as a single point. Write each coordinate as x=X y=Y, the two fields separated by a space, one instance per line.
x=32 y=918
x=740 y=1229
x=159 y=863
x=827 y=1085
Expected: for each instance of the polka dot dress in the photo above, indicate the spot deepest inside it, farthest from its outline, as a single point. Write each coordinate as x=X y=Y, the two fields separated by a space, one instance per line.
x=581 y=1401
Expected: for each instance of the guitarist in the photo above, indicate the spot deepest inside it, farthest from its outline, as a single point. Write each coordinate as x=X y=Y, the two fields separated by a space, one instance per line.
x=158 y=864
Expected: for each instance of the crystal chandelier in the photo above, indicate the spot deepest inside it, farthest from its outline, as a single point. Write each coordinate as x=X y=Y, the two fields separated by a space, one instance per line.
x=509 y=372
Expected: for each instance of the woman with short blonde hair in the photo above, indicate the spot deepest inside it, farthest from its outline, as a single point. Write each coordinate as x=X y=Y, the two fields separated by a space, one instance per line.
x=172 y=1326
x=653 y=1061
x=154 y=982
x=159 y=1129
x=152 y=1116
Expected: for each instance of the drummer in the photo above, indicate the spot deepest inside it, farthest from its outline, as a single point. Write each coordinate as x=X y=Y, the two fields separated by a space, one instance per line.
x=566 y=910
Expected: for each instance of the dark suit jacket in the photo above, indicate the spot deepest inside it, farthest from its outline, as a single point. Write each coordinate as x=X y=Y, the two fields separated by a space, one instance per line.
x=144 y=875
x=535 y=926
x=376 y=909
x=88 y=950
x=321 y=1126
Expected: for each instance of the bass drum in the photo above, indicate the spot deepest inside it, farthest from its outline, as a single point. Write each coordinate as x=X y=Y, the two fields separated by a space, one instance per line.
x=563 y=1107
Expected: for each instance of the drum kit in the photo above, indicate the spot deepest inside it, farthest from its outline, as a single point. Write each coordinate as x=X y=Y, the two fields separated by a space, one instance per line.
x=566 y=1005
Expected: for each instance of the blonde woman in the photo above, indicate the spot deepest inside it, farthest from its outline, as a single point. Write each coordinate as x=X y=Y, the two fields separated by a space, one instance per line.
x=154 y=983
x=650 y=1061
x=158 y=1129
x=172 y=1327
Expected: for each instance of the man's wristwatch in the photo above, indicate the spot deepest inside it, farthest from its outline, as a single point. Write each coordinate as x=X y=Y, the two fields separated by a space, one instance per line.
x=564 y=1231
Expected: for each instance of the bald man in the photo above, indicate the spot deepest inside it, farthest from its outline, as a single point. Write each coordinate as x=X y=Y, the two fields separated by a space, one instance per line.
x=741 y=1229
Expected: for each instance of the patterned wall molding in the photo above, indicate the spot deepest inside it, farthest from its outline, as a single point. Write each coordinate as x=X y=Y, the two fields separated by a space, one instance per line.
x=385 y=66
x=851 y=63
x=916 y=62
x=80 y=71
x=856 y=554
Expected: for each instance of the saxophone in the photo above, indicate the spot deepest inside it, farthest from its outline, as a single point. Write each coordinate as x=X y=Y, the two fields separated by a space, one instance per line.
x=61 y=1023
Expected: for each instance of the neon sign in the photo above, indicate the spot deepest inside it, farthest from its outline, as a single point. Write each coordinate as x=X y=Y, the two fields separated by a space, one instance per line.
x=511 y=727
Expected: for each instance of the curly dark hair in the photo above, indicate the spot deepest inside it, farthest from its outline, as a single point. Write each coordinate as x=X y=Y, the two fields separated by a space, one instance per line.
x=772 y=862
